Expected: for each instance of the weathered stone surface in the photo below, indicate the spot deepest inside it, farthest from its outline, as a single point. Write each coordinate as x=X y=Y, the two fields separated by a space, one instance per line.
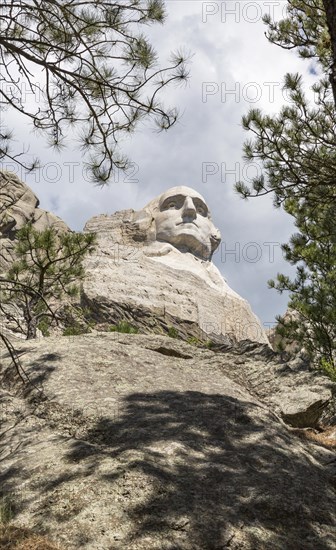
x=278 y=342
x=148 y=269
x=141 y=442
x=300 y=396
x=18 y=206
x=144 y=442
x=175 y=284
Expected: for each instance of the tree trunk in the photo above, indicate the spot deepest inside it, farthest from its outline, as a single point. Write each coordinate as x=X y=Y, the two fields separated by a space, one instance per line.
x=32 y=328
x=330 y=9
x=31 y=318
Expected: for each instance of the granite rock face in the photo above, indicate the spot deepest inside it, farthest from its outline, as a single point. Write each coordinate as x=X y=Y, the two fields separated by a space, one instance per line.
x=155 y=286
x=122 y=441
x=144 y=442
x=137 y=274
x=18 y=206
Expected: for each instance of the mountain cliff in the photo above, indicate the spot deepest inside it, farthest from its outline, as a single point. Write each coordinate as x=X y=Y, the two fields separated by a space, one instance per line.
x=144 y=441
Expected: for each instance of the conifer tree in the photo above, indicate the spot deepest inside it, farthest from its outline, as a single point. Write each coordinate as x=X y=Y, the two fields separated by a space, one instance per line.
x=313 y=291
x=48 y=268
x=83 y=70
x=297 y=149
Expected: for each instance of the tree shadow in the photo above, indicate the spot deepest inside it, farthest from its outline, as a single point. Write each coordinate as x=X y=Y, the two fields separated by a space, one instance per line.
x=215 y=465
x=191 y=471
x=43 y=367
x=40 y=371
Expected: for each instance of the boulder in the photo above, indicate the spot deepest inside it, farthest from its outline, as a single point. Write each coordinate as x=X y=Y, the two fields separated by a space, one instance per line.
x=133 y=441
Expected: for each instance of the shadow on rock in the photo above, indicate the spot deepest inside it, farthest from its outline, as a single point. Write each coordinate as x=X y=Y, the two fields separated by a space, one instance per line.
x=208 y=471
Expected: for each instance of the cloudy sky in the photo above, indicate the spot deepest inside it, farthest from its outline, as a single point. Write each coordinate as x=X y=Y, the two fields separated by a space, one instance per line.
x=233 y=67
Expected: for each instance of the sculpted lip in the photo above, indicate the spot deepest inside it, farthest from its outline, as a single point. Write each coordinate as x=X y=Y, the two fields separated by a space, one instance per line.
x=183 y=223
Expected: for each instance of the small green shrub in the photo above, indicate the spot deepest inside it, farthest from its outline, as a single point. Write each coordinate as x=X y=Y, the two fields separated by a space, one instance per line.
x=91 y=323
x=173 y=332
x=6 y=511
x=193 y=341
x=44 y=327
x=75 y=330
x=328 y=368
x=209 y=344
x=125 y=327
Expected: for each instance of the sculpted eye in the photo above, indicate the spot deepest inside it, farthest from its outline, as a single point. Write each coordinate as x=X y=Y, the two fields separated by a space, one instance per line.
x=200 y=207
x=171 y=204
x=202 y=211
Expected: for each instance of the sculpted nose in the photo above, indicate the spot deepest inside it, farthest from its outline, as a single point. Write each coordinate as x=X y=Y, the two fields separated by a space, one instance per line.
x=189 y=209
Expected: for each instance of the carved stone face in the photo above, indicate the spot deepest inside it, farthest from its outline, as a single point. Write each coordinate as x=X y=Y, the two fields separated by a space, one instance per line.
x=183 y=220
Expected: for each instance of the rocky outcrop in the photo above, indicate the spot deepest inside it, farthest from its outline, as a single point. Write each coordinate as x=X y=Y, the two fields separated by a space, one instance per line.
x=131 y=441
x=279 y=342
x=19 y=205
x=137 y=442
x=132 y=277
x=154 y=286
x=299 y=395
